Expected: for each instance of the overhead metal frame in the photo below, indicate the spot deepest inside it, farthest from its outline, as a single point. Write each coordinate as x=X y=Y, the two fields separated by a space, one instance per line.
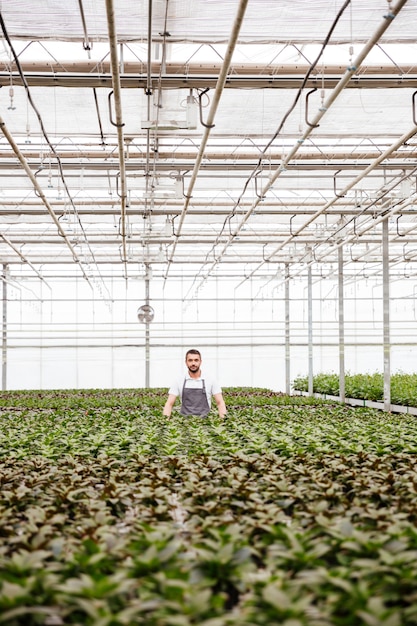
x=305 y=182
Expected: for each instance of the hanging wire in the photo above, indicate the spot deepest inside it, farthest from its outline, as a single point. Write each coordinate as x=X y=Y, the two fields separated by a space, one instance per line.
x=351 y=49
x=291 y=109
x=256 y=170
x=151 y=176
x=45 y=135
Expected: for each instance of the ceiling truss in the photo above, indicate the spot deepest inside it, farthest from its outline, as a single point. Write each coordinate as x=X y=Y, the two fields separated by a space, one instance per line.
x=224 y=158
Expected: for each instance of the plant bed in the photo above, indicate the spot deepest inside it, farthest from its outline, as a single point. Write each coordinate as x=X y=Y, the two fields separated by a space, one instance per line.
x=286 y=513
x=364 y=386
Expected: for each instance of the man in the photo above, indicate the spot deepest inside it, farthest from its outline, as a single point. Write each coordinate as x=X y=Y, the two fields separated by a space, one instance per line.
x=195 y=390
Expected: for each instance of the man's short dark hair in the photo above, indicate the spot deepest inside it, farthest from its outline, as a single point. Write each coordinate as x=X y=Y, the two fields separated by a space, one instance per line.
x=193 y=351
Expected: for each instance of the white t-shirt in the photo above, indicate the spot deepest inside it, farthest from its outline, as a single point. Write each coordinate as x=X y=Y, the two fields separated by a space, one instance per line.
x=212 y=386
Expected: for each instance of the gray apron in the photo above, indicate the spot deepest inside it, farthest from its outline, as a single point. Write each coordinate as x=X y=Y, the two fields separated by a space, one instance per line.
x=194 y=401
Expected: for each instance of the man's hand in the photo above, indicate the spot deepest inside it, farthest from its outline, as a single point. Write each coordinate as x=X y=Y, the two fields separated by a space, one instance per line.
x=166 y=411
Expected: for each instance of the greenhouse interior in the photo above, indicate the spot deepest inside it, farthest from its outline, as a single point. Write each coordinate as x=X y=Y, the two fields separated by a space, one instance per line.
x=246 y=171
x=237 y=178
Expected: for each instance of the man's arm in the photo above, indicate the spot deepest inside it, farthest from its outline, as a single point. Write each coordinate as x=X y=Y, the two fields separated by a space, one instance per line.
x=168 y=405
x=221 y=406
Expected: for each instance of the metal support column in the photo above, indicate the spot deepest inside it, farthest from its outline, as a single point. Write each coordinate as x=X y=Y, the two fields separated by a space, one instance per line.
x=147 y=332
x=310 y=330
x=4 y=332
x=342 y=392
x=287 y=331
x=386 y=317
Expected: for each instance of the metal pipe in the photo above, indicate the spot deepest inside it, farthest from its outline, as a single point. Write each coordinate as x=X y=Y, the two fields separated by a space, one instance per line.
x=310 y=329
x=178 y=77
x=378 y=220
x=344 y=80
x=22 y=257
x=268 y=207
x=381 y=219
x=99 y=125
x=341 y=301
x=149 y=64
x=386 y=316
x=210 y=121
x=4 y=332
x=40 y=193
x=87 y=46
x=182 y=70
x=328 y=204
x=148 y=93
x=287 y=333
x=346 y=160
x=147 y=333
x=111 y=25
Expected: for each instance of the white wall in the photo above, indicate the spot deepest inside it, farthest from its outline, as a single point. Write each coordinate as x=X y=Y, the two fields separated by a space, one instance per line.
x=73 y=337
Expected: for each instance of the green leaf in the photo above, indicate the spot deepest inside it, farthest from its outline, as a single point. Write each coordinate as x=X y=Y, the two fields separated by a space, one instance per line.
x=276 y=597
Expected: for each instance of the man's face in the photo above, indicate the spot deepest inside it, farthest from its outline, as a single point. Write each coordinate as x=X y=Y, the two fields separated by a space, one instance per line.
x=193 y=362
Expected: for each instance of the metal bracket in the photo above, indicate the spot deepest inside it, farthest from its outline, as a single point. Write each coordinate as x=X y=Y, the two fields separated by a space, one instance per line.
x=110 y=115
x=398 y=231
x=117 y=184
x=306 y=109
x=200 y=106
x=174 y=234
x=354 y=227
x=291 y=219
x=313 y=252
x=256 y=187
x=338 y=195
x=351 y=255
x=414 y=108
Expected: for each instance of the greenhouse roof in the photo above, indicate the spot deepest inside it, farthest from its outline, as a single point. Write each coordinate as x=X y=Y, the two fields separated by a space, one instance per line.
x=207 y=138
